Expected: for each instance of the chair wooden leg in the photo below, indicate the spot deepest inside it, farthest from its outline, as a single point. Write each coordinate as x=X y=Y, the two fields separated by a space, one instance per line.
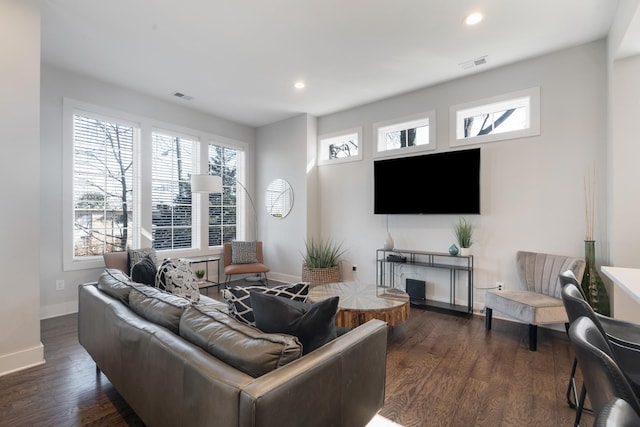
x=533 y=337
x=488 y=312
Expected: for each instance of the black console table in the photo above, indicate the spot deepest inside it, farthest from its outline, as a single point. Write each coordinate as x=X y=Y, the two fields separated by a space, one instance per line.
x=456 y=264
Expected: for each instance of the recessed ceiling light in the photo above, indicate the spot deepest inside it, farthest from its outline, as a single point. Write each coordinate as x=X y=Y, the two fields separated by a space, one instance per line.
x=299 y=85
x=473 y=18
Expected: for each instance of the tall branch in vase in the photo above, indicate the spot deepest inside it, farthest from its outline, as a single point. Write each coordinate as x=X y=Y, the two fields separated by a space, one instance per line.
x=590 y=202
x=592 y=283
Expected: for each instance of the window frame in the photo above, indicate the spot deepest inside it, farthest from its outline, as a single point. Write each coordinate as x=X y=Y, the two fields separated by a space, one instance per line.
x=142 y=187
x=426 y=118
x=490 y=105
x=325 y=140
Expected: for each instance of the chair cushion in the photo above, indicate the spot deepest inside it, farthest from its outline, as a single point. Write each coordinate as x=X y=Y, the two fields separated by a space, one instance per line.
x=117 y=260
x=235 y=343
x=526 y=306
x=243 y=252
x=313 y=324
x=239 y=300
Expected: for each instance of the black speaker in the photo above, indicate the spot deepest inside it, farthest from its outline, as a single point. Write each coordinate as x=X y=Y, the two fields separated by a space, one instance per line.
x=416 y=289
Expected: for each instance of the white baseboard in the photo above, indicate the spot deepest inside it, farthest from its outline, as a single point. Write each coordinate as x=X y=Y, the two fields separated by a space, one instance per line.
x=55 y=310
x=23 y=359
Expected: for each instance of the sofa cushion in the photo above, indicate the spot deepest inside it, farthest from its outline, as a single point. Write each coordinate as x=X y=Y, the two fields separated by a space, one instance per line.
x=243 y=252
x=313 y=324
x=135 y=255
x=237 y=344
x=144 y=271
x=115 y=283
x=159 y=307
x=177 y=278
x=239 y=300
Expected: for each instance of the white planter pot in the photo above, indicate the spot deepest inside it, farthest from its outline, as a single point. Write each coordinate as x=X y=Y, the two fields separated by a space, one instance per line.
x=465 y=251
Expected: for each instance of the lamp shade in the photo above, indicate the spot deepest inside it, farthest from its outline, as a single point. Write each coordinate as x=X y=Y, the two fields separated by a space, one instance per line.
x=206 y=184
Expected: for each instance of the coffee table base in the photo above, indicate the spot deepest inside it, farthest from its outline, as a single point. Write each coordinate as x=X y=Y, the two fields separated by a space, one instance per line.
x=360 y=303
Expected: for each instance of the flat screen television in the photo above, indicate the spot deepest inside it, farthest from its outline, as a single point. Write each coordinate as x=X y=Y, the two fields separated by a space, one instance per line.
x=441 y=183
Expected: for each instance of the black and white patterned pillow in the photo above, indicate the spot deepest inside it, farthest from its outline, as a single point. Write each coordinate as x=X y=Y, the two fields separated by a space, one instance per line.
x=243 y=252
x=177 y=278
x=239 y=299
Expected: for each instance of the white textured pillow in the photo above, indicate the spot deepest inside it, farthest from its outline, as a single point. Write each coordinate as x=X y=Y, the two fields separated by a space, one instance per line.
x=243 y=252
x=177 y=278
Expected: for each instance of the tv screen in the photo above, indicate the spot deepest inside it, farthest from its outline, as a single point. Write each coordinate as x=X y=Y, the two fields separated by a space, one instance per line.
x=441 y=183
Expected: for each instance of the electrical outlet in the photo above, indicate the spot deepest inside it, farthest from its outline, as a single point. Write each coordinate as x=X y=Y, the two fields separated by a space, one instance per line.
x=59 y=285
x=500 y=285
x=354 y=267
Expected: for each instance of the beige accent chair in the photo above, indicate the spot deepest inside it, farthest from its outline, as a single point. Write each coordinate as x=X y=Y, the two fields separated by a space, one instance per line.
x=117 y=260
x=538 y=301
x=256 y=268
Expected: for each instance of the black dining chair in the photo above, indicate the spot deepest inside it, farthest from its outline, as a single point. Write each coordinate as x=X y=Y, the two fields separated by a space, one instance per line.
x=618 y=337
x=603 y=378
x=617 y=413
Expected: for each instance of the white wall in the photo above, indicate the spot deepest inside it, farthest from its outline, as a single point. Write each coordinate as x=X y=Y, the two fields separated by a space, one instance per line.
x=281 y=150
x=20 y=345
x=532 y=188
x=57 y=84
x=624 y=154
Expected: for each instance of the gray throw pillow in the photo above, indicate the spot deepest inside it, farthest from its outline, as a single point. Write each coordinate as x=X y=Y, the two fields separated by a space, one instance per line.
x=144 y=271
x=243 y=252
x=136 y=255
x=313 y=324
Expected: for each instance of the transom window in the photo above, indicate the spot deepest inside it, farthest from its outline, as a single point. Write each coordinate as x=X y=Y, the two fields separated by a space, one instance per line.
x=508 y=116
x=415 y=133
x=344 y=146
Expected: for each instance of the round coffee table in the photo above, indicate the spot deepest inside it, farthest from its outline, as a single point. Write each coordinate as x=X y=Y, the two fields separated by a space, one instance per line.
x=360 y=303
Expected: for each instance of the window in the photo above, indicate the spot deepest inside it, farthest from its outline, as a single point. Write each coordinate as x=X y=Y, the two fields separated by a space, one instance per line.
x=127 y=184
x=410 y=134
x=102 y=184
x=340 y=147
x=223 y=161
x=513 y=115
x=172 y=166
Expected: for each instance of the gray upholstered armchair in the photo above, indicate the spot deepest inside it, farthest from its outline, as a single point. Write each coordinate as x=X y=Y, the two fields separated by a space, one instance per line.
x=538 y=300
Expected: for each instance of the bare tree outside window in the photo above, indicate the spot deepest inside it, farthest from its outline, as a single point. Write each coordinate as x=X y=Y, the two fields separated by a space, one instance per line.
x=103 y=176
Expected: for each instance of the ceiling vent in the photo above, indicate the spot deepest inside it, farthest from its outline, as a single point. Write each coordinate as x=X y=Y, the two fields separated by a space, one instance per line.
x=474 y=62
x=183 y=96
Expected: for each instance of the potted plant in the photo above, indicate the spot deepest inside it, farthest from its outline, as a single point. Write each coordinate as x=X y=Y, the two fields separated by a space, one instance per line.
x=463 y=230
x=199 y=274
x=321 y=262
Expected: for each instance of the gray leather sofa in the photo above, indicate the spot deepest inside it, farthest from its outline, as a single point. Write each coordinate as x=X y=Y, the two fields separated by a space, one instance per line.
x=169 y=381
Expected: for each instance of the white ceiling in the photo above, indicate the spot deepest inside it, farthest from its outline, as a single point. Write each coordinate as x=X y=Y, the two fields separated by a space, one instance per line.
x=239 y=59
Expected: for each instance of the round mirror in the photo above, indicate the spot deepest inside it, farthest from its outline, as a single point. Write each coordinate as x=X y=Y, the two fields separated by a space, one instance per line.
x=279 y=198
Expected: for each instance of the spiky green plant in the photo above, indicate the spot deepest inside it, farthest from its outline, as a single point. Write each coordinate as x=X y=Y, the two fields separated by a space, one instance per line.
x=463 y=230
x=322 y=254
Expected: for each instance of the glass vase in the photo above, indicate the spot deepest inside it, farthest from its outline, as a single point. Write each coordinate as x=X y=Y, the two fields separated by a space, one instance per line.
x=592 y=283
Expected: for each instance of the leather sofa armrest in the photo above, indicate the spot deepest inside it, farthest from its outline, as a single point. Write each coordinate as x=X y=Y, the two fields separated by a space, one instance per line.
x=341 y=383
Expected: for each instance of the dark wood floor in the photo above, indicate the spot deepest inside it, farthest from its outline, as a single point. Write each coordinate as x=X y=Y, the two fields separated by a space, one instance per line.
x=441 y=371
